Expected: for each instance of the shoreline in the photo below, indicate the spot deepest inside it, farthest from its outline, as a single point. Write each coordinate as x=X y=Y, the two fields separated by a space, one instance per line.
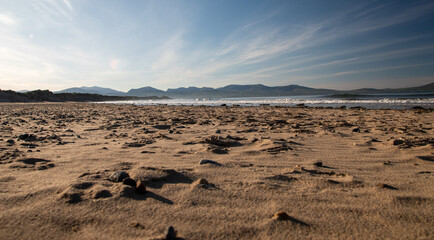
x=297 y=106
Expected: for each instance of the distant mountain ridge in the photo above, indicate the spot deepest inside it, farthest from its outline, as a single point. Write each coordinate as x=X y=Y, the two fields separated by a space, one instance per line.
x=93 y=90
x=425 y=88
x=234 y=90
x=145 y=92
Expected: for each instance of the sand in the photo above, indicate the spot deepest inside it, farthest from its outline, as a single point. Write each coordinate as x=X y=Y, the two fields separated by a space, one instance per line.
x=275 y=172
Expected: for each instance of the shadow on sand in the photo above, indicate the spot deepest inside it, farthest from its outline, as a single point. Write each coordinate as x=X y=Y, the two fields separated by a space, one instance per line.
x=426 y=158
x=131 y=193
x=33 y=161
x=172 y=177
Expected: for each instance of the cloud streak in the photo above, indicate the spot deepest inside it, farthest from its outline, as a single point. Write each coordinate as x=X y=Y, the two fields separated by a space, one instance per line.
x=7 y=19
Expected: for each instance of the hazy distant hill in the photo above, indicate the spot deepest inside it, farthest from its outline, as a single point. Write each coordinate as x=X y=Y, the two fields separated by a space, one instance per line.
x=189 y=90
x=421 y=89
x=255 y=90
x=246 y=90
x=146 y=91
x=261 y=90
x=93 y=90
x=192 y=92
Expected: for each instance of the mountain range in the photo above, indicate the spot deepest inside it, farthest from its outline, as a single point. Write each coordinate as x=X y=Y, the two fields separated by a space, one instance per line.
x=47 y=96
x=93 y=90
x=257 y=90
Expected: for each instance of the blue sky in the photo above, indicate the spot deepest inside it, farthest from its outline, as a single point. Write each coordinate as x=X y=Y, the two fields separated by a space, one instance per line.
x=57 y=44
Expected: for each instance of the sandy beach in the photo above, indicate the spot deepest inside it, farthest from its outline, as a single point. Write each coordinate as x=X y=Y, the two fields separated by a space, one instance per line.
x=215 y=172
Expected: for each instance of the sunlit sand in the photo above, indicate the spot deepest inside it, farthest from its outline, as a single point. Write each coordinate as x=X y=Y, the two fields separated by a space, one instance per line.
x=214 y=172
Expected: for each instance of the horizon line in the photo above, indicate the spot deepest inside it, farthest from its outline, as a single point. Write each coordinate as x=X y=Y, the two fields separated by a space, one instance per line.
x=218 y=87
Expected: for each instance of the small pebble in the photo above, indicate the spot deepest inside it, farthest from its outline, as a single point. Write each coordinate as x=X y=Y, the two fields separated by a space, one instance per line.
x=118 y=176
x=137 y=225
x=382 y=185
x=318 y=164
x=162 y=127
x=129 y=181
x=200 y=181
x=171 y=233
x=281 y=216
x=140 y=187
x=206 y=161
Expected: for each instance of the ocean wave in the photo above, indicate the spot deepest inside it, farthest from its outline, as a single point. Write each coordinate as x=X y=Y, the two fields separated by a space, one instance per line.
x=291 y=101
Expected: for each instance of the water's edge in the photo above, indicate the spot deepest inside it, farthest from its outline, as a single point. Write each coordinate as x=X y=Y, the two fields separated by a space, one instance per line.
x=402 y=101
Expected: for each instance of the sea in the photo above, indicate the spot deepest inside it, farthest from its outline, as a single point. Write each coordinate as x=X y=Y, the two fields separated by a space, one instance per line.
x=371 y=101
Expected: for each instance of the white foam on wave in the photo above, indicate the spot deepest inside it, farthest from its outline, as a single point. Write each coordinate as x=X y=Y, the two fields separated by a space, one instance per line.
x=290 y=101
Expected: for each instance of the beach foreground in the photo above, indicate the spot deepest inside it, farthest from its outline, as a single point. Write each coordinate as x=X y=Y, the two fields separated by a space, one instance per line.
x=336 y=173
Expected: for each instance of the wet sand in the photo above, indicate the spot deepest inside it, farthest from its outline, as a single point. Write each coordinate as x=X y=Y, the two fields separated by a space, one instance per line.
x=274 y=172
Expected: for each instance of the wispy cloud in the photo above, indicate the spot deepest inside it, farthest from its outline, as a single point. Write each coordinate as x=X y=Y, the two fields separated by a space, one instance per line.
x=7 y=19
x=68 y=4
x=370 y=70
x=408 y=66
x=168 y=53
x=369 y=58
x=54 y=9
